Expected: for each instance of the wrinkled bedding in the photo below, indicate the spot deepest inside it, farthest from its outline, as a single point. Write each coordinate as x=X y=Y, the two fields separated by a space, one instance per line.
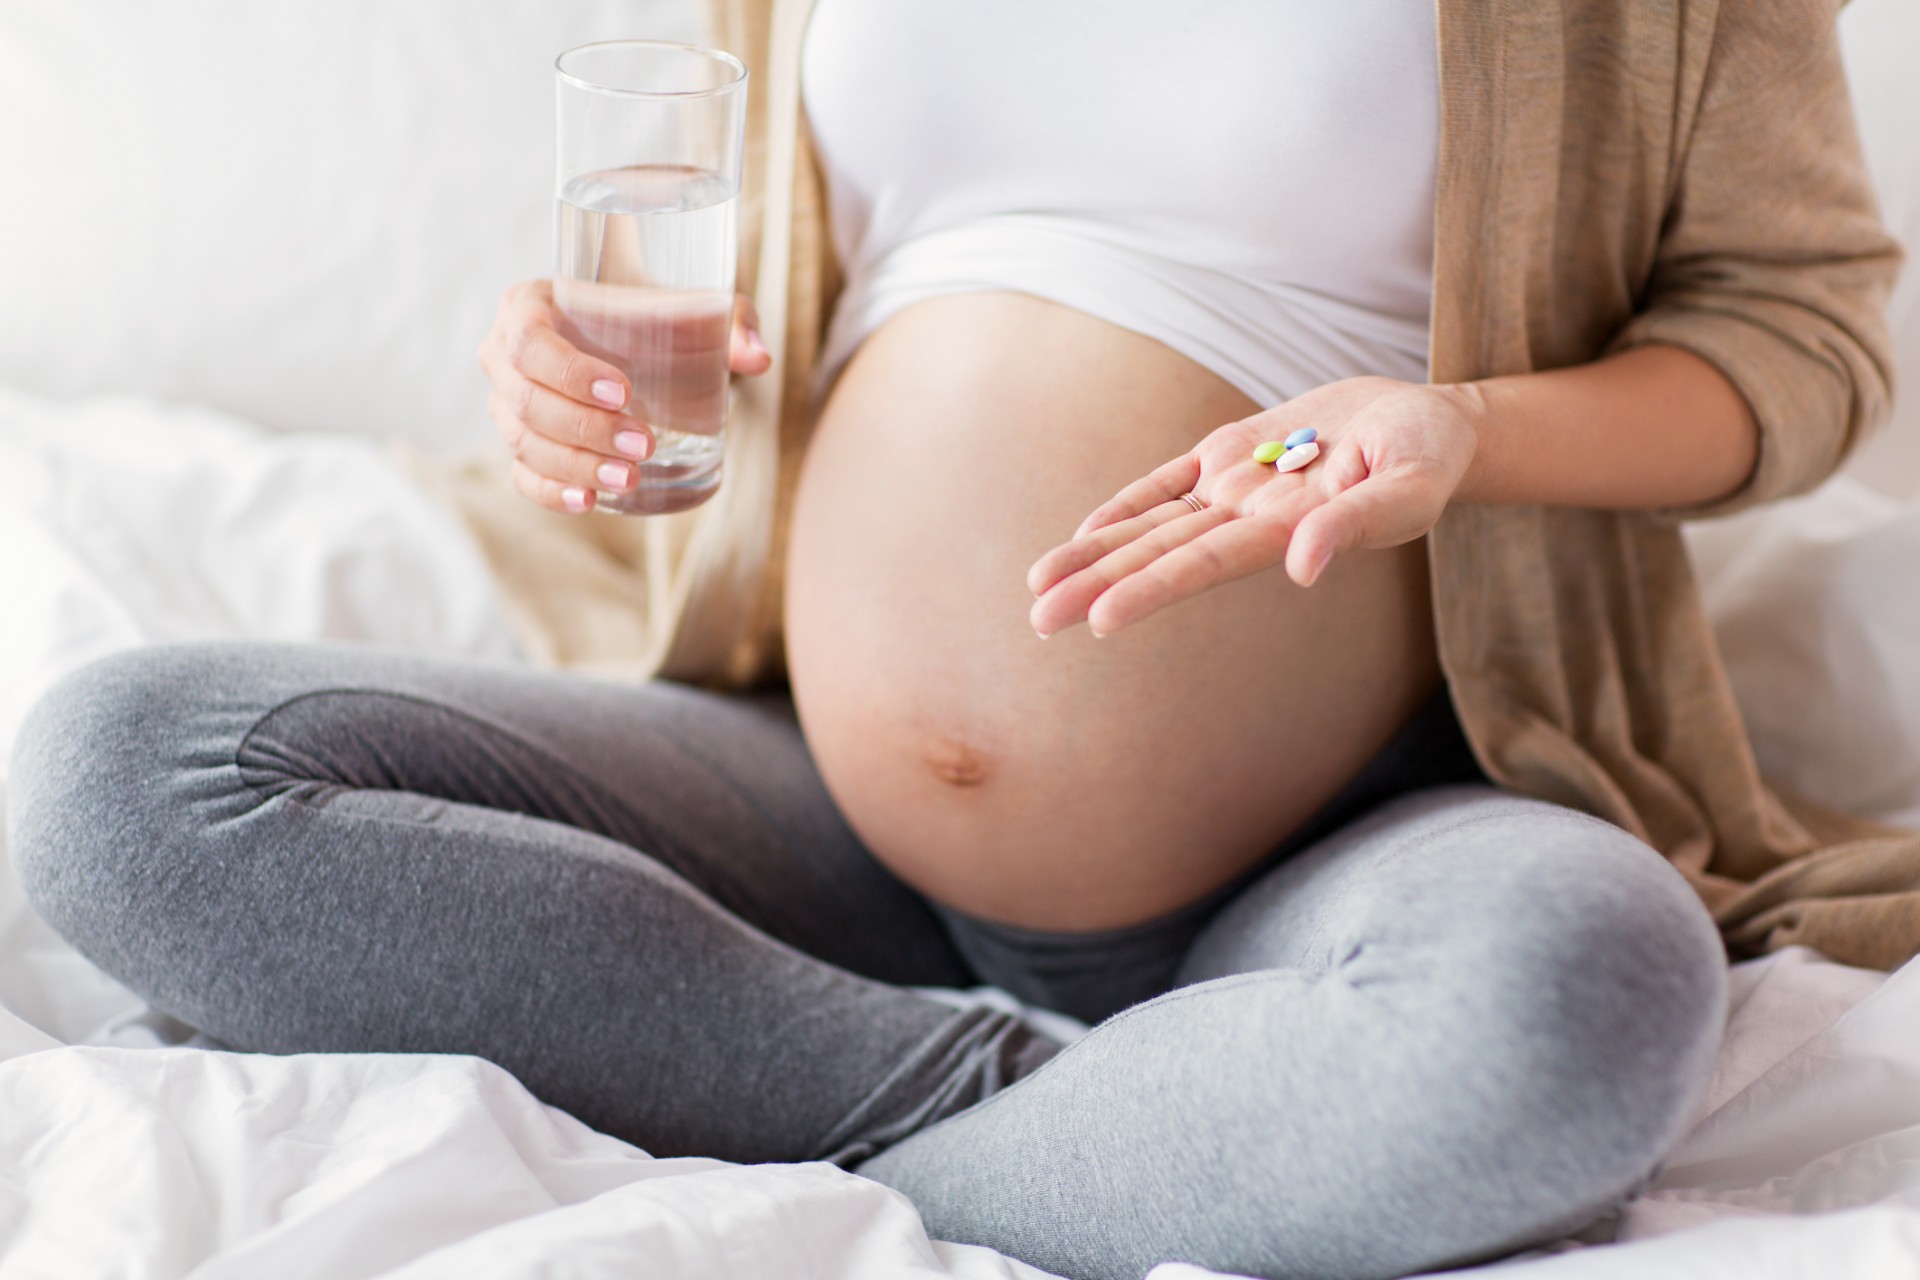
x=121 y=1154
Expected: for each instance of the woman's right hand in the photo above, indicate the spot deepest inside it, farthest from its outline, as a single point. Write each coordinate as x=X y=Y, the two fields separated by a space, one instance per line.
x=558 y=408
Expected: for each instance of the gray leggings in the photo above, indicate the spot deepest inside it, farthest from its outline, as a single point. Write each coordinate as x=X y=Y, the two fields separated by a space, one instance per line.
x=1443 y=1023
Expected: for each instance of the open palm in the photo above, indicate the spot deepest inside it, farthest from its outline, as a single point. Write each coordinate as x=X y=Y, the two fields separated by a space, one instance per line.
x=1392 y=455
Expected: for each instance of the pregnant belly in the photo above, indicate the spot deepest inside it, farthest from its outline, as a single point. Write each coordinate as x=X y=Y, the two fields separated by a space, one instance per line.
x=1071 y=783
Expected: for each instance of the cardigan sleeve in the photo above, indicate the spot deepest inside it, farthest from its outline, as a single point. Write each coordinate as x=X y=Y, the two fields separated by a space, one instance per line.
x=1773 y=264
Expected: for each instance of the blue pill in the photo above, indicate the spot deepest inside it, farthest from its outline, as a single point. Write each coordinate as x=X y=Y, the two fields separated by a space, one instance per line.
x=1304 y=435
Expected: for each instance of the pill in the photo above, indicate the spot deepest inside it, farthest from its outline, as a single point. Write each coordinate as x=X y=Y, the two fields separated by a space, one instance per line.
x=1298 y=458
x=1269 y=451
x=1305 y=435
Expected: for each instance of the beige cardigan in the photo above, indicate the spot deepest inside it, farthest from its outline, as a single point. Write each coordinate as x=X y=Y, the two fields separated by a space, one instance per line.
x=1611 y=172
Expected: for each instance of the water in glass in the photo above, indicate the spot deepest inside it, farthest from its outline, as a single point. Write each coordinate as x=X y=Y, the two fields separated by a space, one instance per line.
x=645 y=282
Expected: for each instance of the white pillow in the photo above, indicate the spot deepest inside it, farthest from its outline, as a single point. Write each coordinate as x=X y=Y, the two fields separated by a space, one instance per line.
x=302 y=213
x=1881 y=42
x=1814 y=606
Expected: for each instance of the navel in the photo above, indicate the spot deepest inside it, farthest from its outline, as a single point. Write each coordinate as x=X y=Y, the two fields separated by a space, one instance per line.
x=955 y=761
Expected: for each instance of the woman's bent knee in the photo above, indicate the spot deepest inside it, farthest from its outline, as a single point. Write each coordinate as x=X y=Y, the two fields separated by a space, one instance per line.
x=1588 y=991
x=1544 y=996
x=107 y=764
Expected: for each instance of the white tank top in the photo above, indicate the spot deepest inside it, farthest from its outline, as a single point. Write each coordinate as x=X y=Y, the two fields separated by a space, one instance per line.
x=1249 y=182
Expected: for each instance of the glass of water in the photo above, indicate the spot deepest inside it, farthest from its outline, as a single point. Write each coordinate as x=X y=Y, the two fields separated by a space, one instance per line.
x=648 y=145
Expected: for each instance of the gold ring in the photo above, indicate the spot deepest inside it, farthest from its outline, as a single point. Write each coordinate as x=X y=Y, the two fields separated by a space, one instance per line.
x=1193 y=502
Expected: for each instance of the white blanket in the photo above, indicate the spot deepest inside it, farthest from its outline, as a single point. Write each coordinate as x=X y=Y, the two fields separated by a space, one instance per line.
x=123 y=523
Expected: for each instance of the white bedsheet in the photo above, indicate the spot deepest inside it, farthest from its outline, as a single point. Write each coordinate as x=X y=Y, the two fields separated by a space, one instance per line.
x=123 y=523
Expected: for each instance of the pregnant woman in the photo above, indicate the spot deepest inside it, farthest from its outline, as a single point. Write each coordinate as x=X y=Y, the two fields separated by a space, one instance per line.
x=1335 y=798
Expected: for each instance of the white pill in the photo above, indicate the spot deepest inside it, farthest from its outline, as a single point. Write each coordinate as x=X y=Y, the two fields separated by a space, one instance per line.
x=1297 y=457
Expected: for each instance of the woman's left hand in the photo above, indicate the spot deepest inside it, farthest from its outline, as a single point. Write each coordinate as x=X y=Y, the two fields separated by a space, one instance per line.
x=1392 y=454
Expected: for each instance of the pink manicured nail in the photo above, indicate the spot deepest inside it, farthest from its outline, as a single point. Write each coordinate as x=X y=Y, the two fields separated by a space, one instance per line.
x=576 y=499
x=615 y=475
x=609 y=393
x=633 y=444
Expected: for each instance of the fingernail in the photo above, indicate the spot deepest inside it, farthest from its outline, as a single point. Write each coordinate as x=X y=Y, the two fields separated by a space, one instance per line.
x=755 y=345
x=614 y=475
x=1319 y=566
x=609 y=393
x=632 y=443
x=575 y=499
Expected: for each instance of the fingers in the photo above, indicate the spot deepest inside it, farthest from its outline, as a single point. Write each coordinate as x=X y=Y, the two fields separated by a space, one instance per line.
x=1071 y=557
x=519 y=404
x=525 y=341
x=566 y=446
x=1383 y=510
x=1079 y=594
x=539 y=354
x=1163 y=484
x=551 y=494
x=563 y=463
x=555 y=405
x=746 y=353
x=1227 y=550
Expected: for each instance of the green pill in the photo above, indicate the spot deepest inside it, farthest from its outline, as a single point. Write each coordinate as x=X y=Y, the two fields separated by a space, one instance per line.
x=1270 y=451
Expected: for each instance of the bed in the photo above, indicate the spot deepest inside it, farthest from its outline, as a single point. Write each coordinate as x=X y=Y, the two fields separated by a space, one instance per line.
x=195 y=417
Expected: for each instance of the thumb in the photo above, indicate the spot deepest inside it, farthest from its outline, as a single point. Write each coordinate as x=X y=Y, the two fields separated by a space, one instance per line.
x=746 y=352
x=1380 y=511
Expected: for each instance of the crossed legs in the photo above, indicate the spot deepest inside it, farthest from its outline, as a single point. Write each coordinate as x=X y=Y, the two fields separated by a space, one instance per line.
x=1462 y=1024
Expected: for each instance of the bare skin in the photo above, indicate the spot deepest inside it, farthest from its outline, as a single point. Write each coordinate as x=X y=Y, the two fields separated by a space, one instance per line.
x=1075 y=782
x=1109 y=774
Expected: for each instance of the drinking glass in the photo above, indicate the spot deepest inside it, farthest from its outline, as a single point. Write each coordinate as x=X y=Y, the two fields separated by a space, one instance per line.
x=648 y=145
